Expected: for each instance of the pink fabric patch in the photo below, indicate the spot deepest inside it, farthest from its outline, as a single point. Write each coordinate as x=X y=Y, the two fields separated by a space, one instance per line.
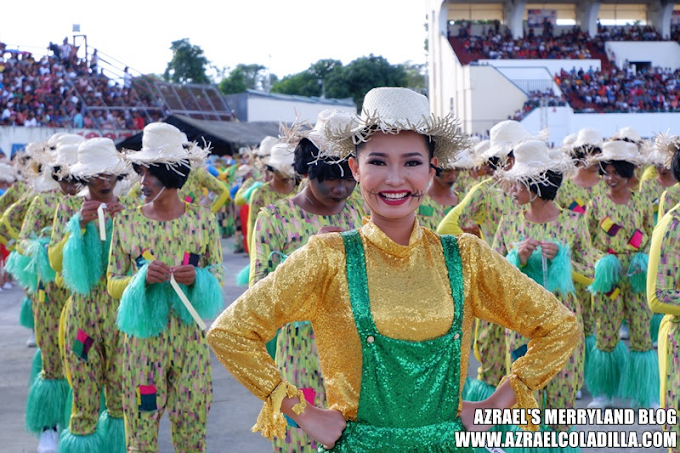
x=310 y=394
x=636 y=240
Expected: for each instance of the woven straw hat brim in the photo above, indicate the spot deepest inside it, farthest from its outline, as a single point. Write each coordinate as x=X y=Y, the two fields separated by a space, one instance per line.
x=444 y=132
x=159 y=156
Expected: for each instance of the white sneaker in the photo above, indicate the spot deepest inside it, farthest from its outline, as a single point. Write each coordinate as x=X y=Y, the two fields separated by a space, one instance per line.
x=600 y=402
x=7 y=285
x=579 y=395
x=49 y=441
x=31 y=341
x=623 y=332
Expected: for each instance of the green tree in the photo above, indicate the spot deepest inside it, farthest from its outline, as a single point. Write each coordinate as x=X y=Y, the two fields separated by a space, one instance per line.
x=363 y=74
x=415 y=74
x=302 y=84
x=244 y=77
x=188 y=64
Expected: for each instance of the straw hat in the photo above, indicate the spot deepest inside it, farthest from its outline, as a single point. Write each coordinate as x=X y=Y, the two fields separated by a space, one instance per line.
x=330 y=120
x=52 y=141
x=628 y=134
x=163 y=143
x=660 y=154
x=281 y=159
x=393 y=110
x=532 y=159
x=619 y=150
x=98 y=156
x=66 y=156
x=7 y=173
x=568 y=141
x=265 y=148
x=243 y=170
x=588 y=137
x=503 y=138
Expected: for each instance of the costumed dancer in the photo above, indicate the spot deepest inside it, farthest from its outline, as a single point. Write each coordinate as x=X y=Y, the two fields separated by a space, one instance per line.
x=92 y=345
x=620 y=224
x=324 y=205
x=539 y=241
x=165 y=266
x=470 y=171
x=660 y=185
x=30 y=264
x=391 y=305
x=484 y=206
x=574 y=195
x=663 y=281
x=8 y=178
x=282 y=183
x=246 y=189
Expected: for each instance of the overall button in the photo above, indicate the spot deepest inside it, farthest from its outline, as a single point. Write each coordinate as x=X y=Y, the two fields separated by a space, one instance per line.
x=456 y=336
x=370 y=339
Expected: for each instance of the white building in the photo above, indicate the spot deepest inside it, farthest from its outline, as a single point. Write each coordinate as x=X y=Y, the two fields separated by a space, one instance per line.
x=484 y=92
x=260 y=106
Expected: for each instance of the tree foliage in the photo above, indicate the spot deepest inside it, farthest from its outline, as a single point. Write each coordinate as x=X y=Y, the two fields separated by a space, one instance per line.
x=188 y=64
x=243 y=77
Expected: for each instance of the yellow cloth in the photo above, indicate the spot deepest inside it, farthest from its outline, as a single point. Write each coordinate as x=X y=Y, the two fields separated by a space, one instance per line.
x=653 y=291
x=410 y=299
x=669 y=198
x=451 y=223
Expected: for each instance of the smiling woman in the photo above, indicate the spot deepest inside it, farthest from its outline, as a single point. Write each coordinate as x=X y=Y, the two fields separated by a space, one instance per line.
x=392 y=305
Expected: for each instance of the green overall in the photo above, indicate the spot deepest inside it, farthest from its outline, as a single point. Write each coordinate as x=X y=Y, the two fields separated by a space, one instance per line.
x=409 y=389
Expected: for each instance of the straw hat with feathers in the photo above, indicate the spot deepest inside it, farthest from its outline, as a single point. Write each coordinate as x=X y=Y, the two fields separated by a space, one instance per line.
x=533 y=159
x=164 y=144
x=504 y=136
x=393 y=110
x=8 y=173
x=661 y=152
x=98 y=156
x=282 y=158
x=621 y=150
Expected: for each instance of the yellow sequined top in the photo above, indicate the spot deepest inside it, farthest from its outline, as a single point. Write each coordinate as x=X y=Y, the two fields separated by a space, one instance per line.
x=410 y=299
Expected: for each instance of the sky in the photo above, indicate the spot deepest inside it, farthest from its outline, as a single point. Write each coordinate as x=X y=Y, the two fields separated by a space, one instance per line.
x=287 y=36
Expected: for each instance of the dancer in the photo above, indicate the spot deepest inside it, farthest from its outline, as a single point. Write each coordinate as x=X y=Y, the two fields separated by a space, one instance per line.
x=484 y=206
x=574 y=195
x=539 y=241
x=162 y=252
x=662 y=295
x=391 y=305
x=323 y=205
x=282 y=184
x=91 y=342
x=620 y=225
x=440 y=197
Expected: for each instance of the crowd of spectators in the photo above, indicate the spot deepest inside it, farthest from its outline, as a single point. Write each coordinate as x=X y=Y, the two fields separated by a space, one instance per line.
x=544 y=98
x=61 y=90
x=622 y=90
x=496 y=41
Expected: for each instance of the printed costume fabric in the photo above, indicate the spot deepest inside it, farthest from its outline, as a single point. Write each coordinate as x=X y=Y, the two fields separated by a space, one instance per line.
x=12 y=219
x=169 y=370
x=49 y=300
x=652 y=191
x=622 y=230
x=12 y=195
x=281 y=229
x=464 y=182
x=431 y=213
x=669 y=199
x=201 y=188
x=261 y=197
x=92 y=343
x=568 y=230
x=311 y=285
x=664 y=297
x=576 y=198
x=484 y=205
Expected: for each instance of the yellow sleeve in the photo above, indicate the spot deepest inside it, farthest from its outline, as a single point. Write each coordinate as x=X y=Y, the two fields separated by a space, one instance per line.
x=662 y=283
x=471 y=208
x=255 y=205
x=239 y=335
x=212 y=184
x=118 y=273
x=501 y=294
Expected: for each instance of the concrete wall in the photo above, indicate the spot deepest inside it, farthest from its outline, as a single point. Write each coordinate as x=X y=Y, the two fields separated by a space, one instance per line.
x=553 y=66
x=562 y=121
x=268 y=109
x=531 y=79
x=492 y=98
x=665 y=54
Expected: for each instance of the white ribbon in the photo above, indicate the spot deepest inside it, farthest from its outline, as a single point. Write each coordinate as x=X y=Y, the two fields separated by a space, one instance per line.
x=102 y=221
x=186 y=302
